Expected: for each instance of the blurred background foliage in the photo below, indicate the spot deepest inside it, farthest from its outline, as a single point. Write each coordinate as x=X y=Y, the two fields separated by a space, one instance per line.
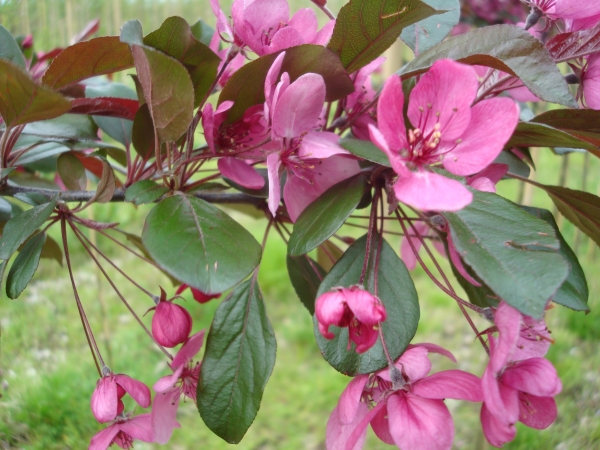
x=47 y=375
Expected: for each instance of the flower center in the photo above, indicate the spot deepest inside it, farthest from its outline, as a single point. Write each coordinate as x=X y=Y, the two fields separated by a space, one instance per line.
x=422 y=149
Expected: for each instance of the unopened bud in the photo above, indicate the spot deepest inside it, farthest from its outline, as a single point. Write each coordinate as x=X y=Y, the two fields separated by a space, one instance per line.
x=319 y=2
x=171 y=324
x=533 y=18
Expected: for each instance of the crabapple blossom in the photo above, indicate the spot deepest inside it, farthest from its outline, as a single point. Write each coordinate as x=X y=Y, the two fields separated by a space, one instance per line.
x=197 y=294
x=406 y=408
x=169 y=389
x=516 y=390
x=354 y=308
x=123 y=432
x=106 y=400
x=171 y=324
x=447 y=130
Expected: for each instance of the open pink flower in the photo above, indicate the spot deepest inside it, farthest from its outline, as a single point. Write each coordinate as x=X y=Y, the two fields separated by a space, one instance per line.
x=447 y=131
x=169 y=389
x=515 y=390
x=106 y=400
x=265 y=26
x=358 y=310
x=171 y=324
x=590 y=82
x=198 y=295
x=294 y=110
x=123 y=432
x=409 y=411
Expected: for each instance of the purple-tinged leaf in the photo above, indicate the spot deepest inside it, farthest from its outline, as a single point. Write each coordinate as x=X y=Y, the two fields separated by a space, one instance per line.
x=72 y=172
x=306 y=276
x=566 y=46
x=88 y=59
x=105 y=106
x=22 y=101
x=106 y=186
x=118 y=129
x=142 y=133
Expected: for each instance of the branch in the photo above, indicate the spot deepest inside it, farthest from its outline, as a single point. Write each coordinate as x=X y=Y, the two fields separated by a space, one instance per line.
x=119 y=195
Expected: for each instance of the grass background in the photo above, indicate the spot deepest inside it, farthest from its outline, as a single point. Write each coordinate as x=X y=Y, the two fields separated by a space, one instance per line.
x=47 y=375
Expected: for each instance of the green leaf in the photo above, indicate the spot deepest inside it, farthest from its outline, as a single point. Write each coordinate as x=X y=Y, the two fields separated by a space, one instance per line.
x=431 y=31
x=574 y=292
x=168 y=92
x=22 y=101
x=246 y=87
x=118 y=129
x=199 y=244
x=202 y=31
x=516 y=166
x=514 y=253
x=145 y=191
x=175 y=38
x=326 y=215
x=52 y=250
x=397 y=292
x=364 y=29
x=142 y=133
x=239 y=359
x=531 y=134
x=580 y=208
x=5 y=211
x=72 y=172
x=504 y=47
x=365 y=150
x=25 y=265
x=21 y=226
x=68 y=126
x=10 y=50
x=131 y=33
x=306 y=276
x=88 y=59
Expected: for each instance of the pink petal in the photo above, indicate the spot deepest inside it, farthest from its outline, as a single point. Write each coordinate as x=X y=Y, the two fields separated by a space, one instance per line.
x=396 y=161
x=104 y=400
x=323 y=36
x=164 y=415
x=259 y=17
x=337 y=434
x=208 y=125
x=414 y=363
x=483 y=184
x=508 y=321
x=240 y=172
x=458 y=264
x=171 y=324
x=381 y=426
x=444 y=95
x=222 y=23
x=492 y=124
x=501 y=400
x=329 y=310
x=281 y=87
x=454 y=384
x=305 y=23
x=359 y=431
x=136 y=389
x=188 y=350
x=390 y=117
x=367 y=308
x=285 y=38
x=299 y=107
x=364 y=336
x=103 y=439
x=576 y=9
x=534 y=340
x=273 y=165
x=537 y=412
x=419 y=423
x=271 y=81
x=536 y=376
x=139 y=427
x=496 y=432
x=429 y=191
x=350 y=399
x=433 y=348
x=165 y=383
x=591 y=82
x=320 y=145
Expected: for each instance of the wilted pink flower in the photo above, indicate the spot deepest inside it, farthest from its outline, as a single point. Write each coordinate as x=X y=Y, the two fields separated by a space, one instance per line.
x=170 y=388
x=294 y=110
x=265 y=26
x=198 y=295
x=171 y=324
x=106 y=400
x=407 y=411
x=358 y=310
x=123 y=432
x=447 y=131
x=515 y=390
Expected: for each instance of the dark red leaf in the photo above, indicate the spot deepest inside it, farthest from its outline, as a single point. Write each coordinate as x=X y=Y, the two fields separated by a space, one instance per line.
x=566 y=46
x=122 y=108
x=89 y=30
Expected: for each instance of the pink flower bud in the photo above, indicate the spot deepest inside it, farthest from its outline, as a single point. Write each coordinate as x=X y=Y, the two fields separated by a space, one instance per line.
x=198 y=295
x=171 y=324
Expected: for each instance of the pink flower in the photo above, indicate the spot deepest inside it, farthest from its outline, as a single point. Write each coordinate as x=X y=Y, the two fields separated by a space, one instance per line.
x=170 y=388
x=590 y=82
x=294 y=110
x=198 y=295
x=487 y=179
x=106 y=401
x=407 y=411
x=354 y=308
x=516 y=390
x=447 y=131
x=265 y=26
x=171 y=324
x=123 y=432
